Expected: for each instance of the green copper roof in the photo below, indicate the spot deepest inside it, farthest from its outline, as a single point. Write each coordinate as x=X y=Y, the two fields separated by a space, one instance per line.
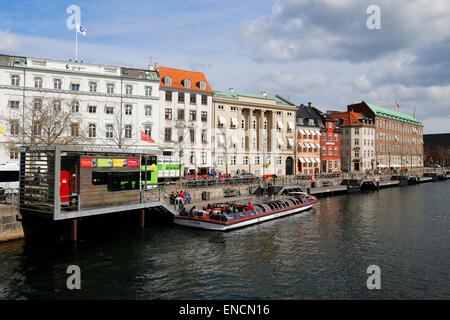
x=391 y=114
x=232 y=95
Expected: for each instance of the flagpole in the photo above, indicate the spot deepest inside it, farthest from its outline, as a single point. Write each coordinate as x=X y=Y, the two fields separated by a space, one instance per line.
x=76 y=44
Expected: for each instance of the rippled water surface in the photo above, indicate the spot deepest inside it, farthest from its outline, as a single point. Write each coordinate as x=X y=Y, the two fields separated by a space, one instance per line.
x=319 y=254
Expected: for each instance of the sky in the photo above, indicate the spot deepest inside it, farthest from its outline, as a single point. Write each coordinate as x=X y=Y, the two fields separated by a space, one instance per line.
x=318 y=51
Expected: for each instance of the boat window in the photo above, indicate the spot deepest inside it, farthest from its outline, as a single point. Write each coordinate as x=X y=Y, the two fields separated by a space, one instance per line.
x=296 y=201
x=257 y=209
x=266 y=207
x=290 y=203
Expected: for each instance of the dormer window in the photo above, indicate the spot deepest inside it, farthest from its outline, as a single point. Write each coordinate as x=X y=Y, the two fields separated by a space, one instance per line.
x=168 y=81
x=202 y=85
x=187 y=83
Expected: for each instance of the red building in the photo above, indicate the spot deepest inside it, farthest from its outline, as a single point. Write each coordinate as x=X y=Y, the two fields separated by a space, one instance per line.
x=330 y=145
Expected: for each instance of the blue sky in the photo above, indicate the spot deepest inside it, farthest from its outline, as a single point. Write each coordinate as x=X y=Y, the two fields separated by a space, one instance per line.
x=304 y=50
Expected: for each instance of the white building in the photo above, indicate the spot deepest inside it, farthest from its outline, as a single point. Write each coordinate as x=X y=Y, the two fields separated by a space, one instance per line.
x=98 y=92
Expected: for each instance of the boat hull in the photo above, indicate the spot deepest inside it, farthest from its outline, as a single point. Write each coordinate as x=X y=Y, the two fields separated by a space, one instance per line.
x=209 y=224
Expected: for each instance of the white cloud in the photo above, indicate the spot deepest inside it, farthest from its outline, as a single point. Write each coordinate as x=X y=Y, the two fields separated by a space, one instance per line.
x=9 y=43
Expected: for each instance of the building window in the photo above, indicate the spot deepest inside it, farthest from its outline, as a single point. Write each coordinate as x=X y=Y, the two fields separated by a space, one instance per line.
x=192 y=135
x=92 y=87
x=180 y=96
x=109 y=131
x=128 y=109
x=192 y=157
x=279 y=113
x=356 y=142
x=168 y=81
x=204 y=116
x=128 y=131
x=330 y=137
x=38 y=82
x=203 y=157
x=220 y=161
x=148 y=130
x=168 y=134
x=180 y=114
x=204 y=136
x=356 y=130
x=324 y=151
x=245 y=160
x=220 y=107
x=243 y=123
x=92 y=109
x=278 y=160
x=356 y=153
x=128 y=89
x=75 y=106
x=221 y=141
x=233 y=160
x=204 y=99
x=14 y=125
x=254 y=143
x=148 y=91
x=14 y=104
x=330 y=151
x=336 y=151
x=202 y=85
x=57 y=84
x=265 y=124
x=192 y=115
x=37 y=104
x=13 y=154
x=254 y=124
x=15 y=81
x=109 y=110
x=257 y=162
x=75 y=87
x=193 y=98
x=168 y=95
x=168 y=114
x=92 y=130
x=74 y=129
x=110 y=88
x=148 y=111
x=187 y=83
x=36 y=129
x=336 y=137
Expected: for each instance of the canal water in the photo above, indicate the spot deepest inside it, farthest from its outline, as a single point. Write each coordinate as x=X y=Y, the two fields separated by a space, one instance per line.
x=321 y=254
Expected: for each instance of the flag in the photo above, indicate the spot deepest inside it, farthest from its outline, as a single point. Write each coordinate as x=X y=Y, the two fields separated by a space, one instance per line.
x=145 y=137
x=396 y=102
x=81 y=30
x=1 y=130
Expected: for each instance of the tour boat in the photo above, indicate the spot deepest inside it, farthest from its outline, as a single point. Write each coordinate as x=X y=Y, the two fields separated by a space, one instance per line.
x=219 y=217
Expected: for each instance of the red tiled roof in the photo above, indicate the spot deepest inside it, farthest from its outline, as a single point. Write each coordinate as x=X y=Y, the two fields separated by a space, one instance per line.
x=350 y=117
x=178 y=76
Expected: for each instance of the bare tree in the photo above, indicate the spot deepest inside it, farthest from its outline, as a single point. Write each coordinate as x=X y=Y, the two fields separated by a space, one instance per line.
x=119 y=133
x=45 y=122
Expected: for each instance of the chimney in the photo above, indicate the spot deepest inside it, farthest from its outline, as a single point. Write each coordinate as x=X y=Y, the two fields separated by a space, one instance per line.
x=310 y=104
x=156 y=66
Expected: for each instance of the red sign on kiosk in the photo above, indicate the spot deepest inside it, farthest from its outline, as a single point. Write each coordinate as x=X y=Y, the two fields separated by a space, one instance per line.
x=86 y=162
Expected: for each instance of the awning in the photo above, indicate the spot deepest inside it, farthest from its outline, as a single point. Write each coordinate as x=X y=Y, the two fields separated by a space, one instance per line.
x=280 y=124
x=109 y=104
x=313 y=160
x=318 y=133
x=308 y=132
x=14 y=98
x=302 y=160
x=75 y=81
x=302 y=132
x=290 y=141
x=318 y=160
x=313 y=132
x=308 y=160
x=291 y=125
x=317 y=145
x=92 y=103
x=280 y=141
x=222 y=120
x=234 y=121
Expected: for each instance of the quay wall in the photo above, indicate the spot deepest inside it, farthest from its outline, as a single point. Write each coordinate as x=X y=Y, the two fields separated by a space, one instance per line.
x=10 y=228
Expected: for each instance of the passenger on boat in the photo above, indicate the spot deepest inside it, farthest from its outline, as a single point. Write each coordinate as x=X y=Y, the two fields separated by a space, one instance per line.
x=172 y=197
x=187 y=196
x=182 y=196
x=183 y=212
x=250 y=209
x=193 y=209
